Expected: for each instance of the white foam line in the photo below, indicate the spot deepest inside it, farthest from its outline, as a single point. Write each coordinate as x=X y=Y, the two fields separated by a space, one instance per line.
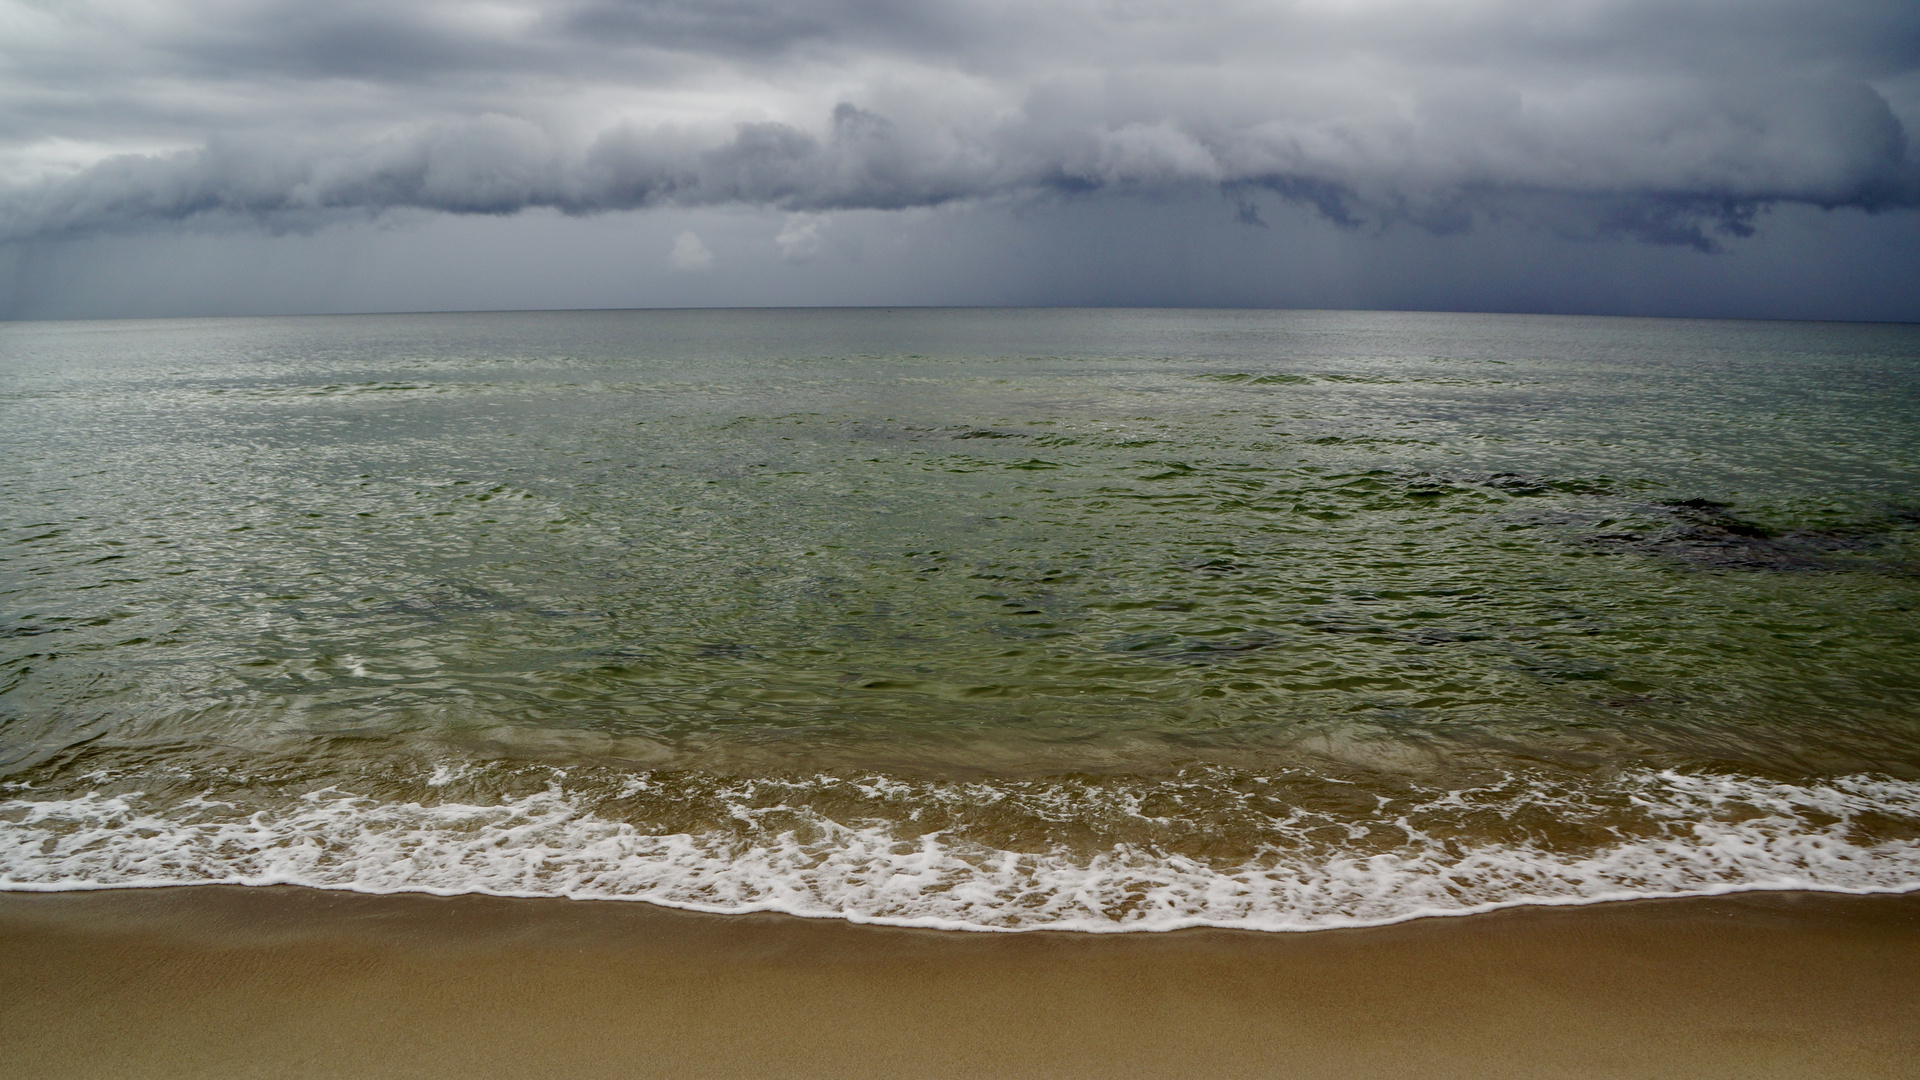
x=933 y=923
x=1783 y=837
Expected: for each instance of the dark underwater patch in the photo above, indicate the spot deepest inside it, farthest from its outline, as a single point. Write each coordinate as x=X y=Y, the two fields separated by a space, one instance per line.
x=1709 y=534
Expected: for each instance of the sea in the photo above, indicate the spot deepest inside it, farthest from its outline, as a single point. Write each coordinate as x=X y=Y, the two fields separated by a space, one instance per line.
x=996 y=620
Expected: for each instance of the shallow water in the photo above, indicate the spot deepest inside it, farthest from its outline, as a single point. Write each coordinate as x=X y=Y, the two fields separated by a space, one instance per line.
x=997 y=619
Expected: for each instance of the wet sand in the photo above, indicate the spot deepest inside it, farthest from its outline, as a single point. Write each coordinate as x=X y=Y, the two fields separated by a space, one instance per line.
x=284 y=982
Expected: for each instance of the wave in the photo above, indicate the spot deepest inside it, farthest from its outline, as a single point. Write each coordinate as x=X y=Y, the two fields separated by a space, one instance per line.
x=879 y=850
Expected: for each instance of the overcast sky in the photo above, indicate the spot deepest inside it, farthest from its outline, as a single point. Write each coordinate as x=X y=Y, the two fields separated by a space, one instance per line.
x=1712 y=157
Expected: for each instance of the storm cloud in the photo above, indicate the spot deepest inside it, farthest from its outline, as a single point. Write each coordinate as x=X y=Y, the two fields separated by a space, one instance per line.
x=1671 y=123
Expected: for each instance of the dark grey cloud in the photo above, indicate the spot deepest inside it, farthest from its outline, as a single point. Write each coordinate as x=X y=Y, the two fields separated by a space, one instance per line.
x=1669 y=123
x=1098 y=250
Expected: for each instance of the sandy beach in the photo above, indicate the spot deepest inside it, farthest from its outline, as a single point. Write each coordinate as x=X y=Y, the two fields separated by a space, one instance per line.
x=286 y=982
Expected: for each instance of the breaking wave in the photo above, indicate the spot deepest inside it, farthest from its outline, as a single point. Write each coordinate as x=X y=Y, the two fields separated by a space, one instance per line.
x=1209 y=848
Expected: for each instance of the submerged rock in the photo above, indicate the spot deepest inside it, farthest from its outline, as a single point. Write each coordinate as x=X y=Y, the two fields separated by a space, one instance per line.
x=1708 y=533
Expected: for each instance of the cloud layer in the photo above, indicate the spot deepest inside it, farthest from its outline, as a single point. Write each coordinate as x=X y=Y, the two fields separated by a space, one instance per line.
x=1667 y=122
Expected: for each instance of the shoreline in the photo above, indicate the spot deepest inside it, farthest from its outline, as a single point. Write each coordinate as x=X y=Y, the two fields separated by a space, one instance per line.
x=220 y=980
x=936 y=925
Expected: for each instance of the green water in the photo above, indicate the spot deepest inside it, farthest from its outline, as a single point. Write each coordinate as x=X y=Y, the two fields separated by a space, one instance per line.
x=1215 y=594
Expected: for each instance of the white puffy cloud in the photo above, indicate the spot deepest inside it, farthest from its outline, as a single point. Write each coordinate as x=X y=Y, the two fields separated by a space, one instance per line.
x=690 y=253
x=799 y=237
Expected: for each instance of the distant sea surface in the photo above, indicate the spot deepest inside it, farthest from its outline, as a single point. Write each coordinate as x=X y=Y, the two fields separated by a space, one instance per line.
x=1000 y=620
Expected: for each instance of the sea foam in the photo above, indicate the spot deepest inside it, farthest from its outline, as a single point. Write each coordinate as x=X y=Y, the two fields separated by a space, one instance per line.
x=1690 y=834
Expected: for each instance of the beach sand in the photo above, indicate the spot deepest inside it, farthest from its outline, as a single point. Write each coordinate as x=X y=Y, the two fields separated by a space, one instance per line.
x=285 y=982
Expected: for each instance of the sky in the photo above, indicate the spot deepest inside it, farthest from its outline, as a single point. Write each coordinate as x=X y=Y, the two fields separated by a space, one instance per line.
x=1737 y=158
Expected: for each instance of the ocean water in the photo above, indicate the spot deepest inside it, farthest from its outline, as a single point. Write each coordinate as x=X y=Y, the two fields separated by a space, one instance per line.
x=1001 y=620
